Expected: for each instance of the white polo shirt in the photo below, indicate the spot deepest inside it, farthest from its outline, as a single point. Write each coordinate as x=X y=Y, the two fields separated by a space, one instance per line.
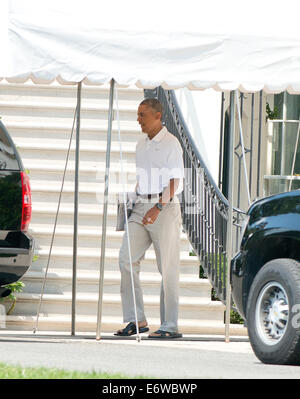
x=157 y=161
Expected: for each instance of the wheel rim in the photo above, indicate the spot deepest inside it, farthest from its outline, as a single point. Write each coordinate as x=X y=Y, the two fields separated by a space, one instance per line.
x=272 y=313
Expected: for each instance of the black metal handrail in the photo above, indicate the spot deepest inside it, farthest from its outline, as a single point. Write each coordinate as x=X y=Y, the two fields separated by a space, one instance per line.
x=204 y=207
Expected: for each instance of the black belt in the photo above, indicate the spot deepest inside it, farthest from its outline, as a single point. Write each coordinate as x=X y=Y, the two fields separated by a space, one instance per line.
x=149 y=196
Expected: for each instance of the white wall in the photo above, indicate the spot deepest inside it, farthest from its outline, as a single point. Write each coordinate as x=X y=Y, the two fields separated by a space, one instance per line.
x=202 y=113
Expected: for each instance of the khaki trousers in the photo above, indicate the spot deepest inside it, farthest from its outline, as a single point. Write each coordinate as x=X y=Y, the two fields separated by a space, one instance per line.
x=165 y=236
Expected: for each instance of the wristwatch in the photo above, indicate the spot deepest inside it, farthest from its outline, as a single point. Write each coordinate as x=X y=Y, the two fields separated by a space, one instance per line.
x=159 y=206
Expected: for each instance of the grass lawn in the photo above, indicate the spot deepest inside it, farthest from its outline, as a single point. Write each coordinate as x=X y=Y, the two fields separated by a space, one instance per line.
x=17 y=372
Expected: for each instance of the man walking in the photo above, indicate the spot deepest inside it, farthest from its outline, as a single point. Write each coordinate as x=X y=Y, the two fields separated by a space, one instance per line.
x=156 y=219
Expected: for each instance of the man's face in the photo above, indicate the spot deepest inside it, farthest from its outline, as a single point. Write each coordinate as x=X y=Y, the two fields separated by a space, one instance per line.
x=148 y=119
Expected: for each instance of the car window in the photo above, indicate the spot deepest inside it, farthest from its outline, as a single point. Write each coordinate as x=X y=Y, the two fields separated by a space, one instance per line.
x=9 y=158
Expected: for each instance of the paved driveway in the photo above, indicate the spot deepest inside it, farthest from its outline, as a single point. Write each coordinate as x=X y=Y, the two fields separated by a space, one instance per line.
x=191 y=357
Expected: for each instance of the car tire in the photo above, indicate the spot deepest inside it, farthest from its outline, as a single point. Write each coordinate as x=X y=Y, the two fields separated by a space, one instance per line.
x=273 y=312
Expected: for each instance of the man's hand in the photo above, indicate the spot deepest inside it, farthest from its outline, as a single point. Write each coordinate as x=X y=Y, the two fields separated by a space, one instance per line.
x=151 y=216
x=167 y=194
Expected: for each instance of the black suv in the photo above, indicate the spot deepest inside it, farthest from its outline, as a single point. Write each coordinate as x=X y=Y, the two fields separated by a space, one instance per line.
x=16 y=245
x=265 y=278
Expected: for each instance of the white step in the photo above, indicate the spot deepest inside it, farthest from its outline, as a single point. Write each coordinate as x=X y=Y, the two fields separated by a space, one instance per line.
x=91 y=153
x=90 y=112
x=87 y=304
x=109 y=324
x=56 y=150
x=89 y=192
x=84 y=187
x=130 y=131
x=87 y=235
x=89 y=258
x=88 y=214
x=59 y=129
x=53 y=170
x=92 y=253
x=67 y=219
x=63 y=260
x=60 y=281
x=40 y=119
x=31 y=91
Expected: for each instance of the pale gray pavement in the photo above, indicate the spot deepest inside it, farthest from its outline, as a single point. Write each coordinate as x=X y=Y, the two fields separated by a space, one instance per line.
x=190 y=357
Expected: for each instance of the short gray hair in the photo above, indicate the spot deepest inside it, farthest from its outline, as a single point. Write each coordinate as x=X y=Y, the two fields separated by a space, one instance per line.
x=154 y=104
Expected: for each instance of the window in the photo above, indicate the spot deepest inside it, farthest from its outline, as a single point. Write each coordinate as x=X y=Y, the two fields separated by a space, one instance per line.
x=284 y=171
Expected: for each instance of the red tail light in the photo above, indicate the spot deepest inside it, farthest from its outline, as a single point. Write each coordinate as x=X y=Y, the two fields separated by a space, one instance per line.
x=26 y=202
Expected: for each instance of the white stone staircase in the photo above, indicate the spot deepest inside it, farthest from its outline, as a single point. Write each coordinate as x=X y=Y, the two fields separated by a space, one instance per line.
x=39 y=118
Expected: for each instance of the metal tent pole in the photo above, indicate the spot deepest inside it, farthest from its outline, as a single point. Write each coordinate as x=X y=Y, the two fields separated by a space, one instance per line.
x=76 y=198
x=259 y=142
x=295 y=155
x=230 y=213
x=221 y=154
x=105 y=203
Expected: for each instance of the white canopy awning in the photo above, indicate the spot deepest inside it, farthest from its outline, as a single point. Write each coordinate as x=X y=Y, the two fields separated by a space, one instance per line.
x=220 y=45
x=225 y=45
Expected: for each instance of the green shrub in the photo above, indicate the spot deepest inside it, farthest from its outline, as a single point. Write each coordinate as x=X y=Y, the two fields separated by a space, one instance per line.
x=235 y=317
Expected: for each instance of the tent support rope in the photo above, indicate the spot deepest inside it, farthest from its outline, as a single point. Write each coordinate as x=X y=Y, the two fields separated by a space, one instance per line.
x=138 y=337
x=55 y=221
